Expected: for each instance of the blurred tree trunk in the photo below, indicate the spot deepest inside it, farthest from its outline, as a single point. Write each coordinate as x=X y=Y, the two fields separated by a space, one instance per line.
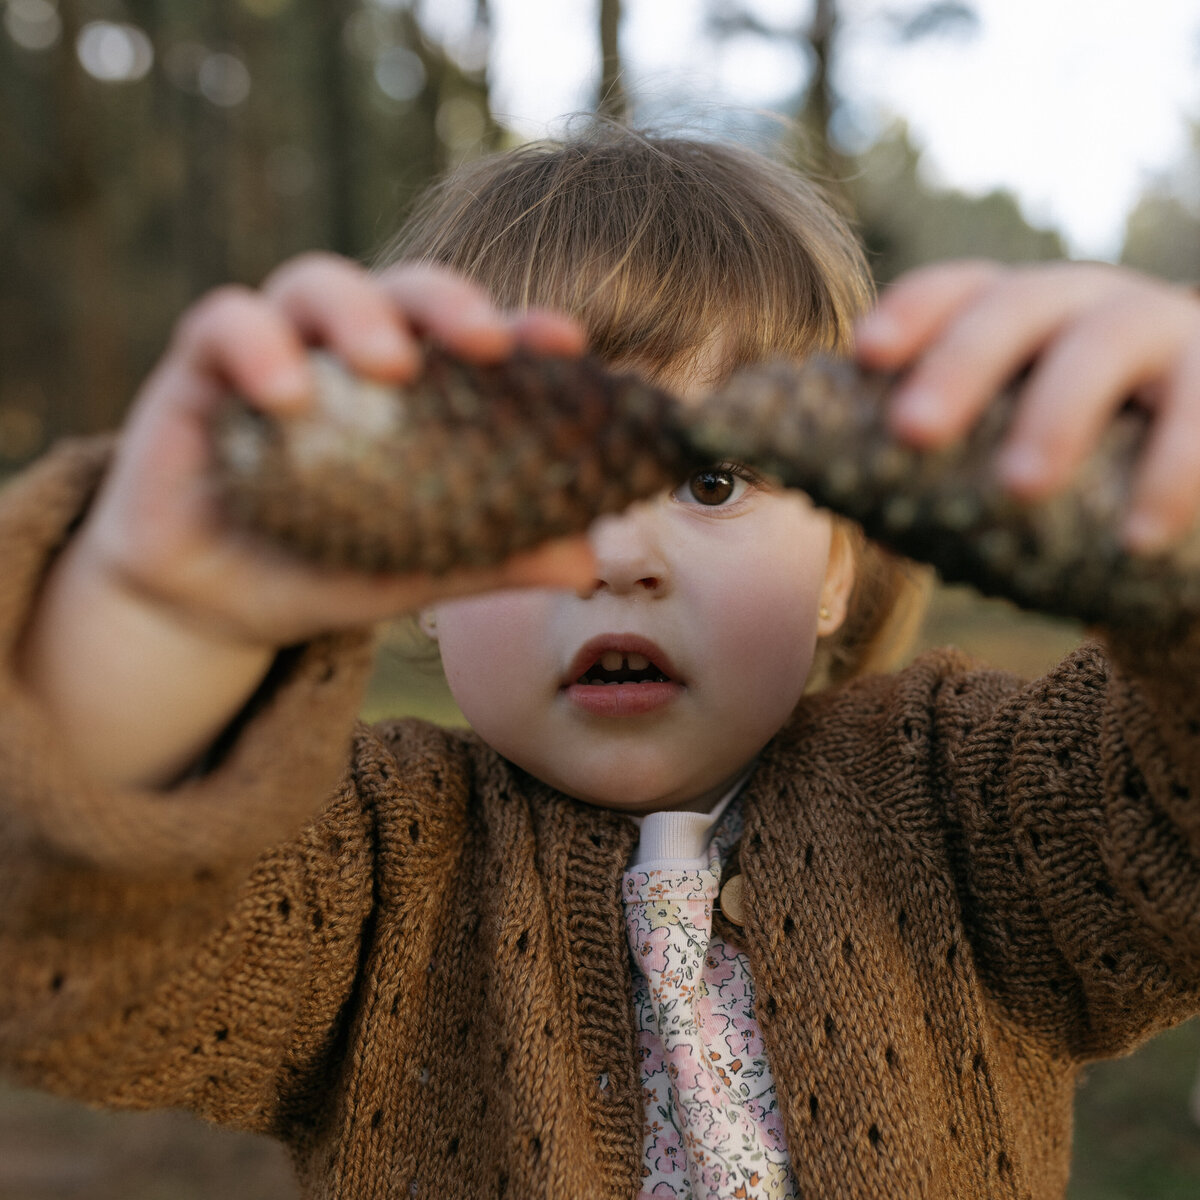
x=1162 y=232
x=423 y=138
x=493 y=134
x=208 y=206
x=820 y=98
x=256 y=215
x=85 y=327
x=336 y=131
x=816 y=143
x=612 y=100
x=27 y=291
x=812 y=142
x=164 y=192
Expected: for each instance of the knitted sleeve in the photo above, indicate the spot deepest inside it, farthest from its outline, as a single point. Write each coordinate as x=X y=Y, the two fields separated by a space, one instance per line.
x=165 y=947
x=1074 y=803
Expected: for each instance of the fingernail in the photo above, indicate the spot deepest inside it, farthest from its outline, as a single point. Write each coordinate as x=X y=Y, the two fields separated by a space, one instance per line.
x=482 y=333
x=383 y=342
x=875 y=330
x=917 y=410
x=1021 y=466
x=288 y=382
x=1145 y=533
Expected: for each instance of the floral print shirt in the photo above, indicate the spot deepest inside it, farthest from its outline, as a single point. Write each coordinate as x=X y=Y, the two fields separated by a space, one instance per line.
x=712 y=1124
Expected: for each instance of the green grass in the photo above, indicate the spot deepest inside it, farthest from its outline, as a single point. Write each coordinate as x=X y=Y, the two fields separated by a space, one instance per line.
x=408 y=680
x=1135 y=1138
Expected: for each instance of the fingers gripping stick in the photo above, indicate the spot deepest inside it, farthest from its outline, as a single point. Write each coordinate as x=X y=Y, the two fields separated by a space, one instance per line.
x=821 y=427
x=472 y=463
x=464 y=467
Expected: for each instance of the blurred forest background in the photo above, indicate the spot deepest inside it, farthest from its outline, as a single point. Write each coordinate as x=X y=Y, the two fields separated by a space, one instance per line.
x=150 y=149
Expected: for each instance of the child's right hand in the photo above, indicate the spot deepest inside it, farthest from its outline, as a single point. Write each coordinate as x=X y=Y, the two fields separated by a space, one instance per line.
x=154 y=528
x=158 y=621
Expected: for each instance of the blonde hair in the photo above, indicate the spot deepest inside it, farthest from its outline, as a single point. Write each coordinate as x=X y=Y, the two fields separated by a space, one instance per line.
x=658 y=245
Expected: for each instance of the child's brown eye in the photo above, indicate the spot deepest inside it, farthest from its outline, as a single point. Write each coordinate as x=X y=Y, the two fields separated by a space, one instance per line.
x=716 y=486
x=712 y=486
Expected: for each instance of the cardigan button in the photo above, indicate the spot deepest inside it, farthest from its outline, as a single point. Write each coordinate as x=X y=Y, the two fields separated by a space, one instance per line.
x=733 y=900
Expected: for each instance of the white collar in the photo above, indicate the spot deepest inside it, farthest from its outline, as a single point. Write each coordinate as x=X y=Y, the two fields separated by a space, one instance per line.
x=680 y=837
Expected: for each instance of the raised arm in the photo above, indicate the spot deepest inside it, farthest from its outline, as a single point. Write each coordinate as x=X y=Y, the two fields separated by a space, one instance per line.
x=186 y=854
x=157 y=623
x=1075 y=797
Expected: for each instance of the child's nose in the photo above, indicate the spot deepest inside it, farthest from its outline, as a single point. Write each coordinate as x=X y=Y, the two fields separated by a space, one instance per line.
x=628 y=555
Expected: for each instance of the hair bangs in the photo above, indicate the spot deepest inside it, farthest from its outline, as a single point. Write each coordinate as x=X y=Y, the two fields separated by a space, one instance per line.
x=655 y=244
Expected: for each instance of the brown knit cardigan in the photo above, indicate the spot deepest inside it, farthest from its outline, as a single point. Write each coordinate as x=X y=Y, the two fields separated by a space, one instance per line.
x=409 y=962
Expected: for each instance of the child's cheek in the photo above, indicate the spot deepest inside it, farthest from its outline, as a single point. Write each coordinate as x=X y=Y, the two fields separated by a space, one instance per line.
x=760 y=638
x=770 y=643
x=492 y=652
x=766 y=627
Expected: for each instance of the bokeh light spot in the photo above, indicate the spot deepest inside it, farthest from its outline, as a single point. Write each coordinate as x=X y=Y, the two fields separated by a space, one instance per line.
x=223 y=79
x=114 y=53
x=32 y=24
x=399 y=73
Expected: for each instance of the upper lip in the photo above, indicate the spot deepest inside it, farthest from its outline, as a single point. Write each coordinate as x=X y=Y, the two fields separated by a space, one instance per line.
x=626 y=643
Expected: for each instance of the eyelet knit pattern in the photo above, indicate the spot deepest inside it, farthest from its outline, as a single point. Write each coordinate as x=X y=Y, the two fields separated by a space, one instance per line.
x=407 y=959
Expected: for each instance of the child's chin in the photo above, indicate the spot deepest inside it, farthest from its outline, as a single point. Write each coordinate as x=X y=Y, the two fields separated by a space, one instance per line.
x=621 y=790
x=636 y=776
x=641 y=796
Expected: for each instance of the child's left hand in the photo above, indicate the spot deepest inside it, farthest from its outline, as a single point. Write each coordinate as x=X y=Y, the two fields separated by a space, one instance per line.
x=1097 y=335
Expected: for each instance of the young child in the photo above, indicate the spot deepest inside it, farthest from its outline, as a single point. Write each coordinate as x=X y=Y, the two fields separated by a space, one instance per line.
x=483 y=963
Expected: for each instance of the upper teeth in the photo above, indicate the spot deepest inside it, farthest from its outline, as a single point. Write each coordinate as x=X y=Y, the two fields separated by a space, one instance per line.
x=613 y=660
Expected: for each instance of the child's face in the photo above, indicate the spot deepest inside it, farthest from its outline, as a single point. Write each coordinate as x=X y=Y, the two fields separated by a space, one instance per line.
x=719 y=587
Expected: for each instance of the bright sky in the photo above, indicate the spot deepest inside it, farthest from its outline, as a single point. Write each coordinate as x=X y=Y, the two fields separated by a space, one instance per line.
x=1073 y=104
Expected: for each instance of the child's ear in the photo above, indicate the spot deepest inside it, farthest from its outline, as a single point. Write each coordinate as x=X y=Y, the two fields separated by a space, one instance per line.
x=838 y=583
x=427 y=623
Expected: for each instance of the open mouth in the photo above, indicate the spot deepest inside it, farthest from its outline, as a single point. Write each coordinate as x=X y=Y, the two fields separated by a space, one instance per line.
x=618 y=666
x=621 y=675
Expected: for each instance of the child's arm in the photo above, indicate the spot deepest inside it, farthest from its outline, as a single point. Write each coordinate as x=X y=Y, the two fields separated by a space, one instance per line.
x=157 y=623
x=176 y=936
x=1075 y=798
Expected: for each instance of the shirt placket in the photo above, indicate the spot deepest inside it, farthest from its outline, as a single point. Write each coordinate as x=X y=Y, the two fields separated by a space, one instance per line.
x=710 y=1146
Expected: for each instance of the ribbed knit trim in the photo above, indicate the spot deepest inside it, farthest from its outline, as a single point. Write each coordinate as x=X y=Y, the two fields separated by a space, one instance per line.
x=679 y=838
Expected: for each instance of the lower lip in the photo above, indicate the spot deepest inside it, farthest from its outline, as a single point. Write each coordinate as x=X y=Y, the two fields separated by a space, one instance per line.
x=622 y=699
